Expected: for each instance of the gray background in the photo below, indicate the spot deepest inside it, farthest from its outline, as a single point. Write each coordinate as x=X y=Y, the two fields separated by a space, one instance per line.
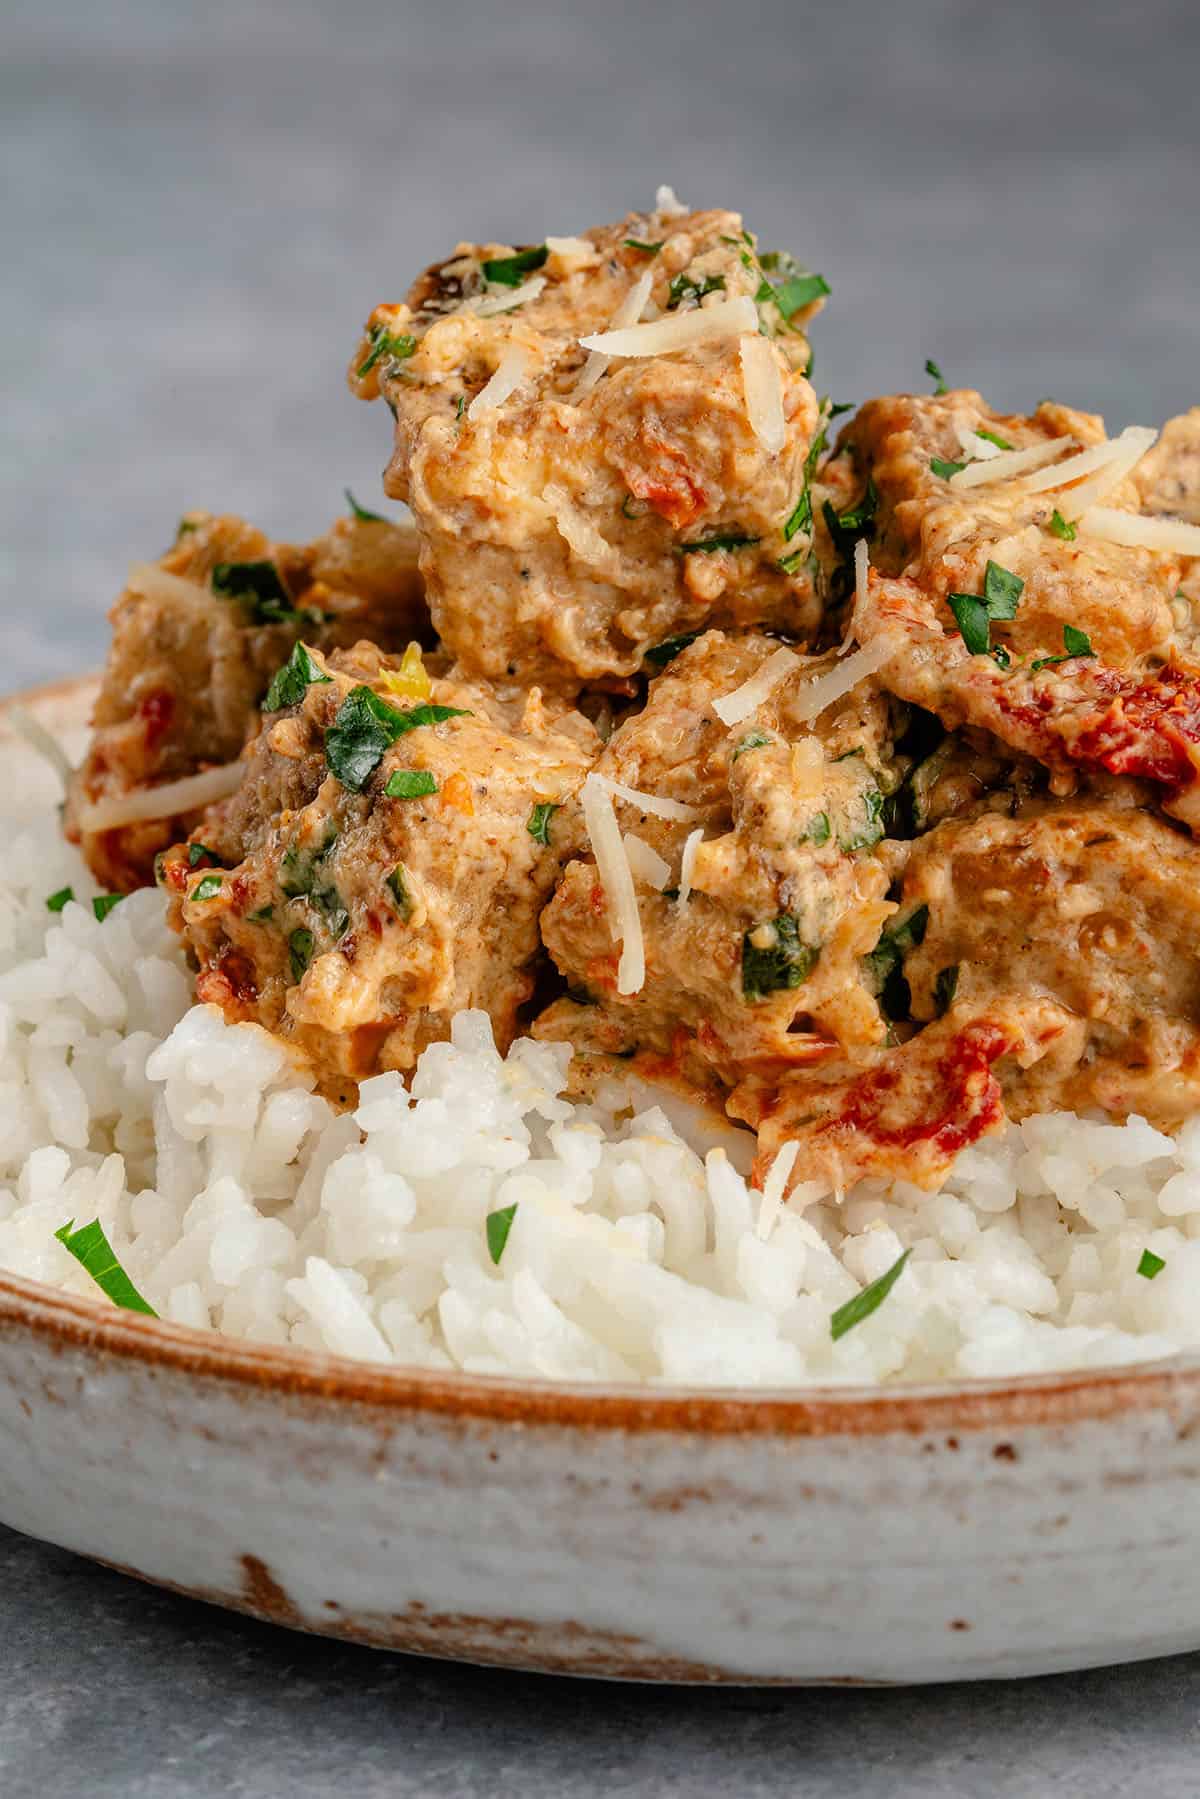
x=201 y=203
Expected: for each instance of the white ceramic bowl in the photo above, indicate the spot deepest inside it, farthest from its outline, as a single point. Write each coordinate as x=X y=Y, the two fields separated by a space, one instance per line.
x=923 y=1534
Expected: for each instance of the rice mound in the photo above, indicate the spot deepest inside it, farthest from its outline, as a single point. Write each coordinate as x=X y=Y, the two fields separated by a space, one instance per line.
x=240 y=1202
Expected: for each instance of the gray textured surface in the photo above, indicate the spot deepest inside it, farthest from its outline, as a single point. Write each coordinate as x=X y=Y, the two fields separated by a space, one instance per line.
x=201 y=204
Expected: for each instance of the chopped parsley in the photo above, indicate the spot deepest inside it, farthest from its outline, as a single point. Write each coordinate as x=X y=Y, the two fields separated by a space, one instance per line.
x=1075 y=643
x=208 y=888
x=397 y=886
x=935 y=374
x=666 y=651
x=686 y=287
x=365 y=729
x=263 y=916
x=103 y=904
x=819 y=829
x=797 y=292
x=883 y=967
x=410 y=784
x=199 y=852
x=58 y=900
x=801 y=516
x=96 y=1256
x=298 y=869
x=510 y=271
x=635 y=243
x=361 y=513
x=538 y=824
x=292 y=681
x=721 y=540
x=944 y=988
x=1150 y=1265
x=398 y=347
x=790 y=563
x=257 y=586
x=753 y=740
x=990 y=437
x=866 y=1302
x=1063 y=527
x=869 y=833
x=973 y=613
x=845 y=528
x=498 y=1225
x=300 y=952
x=944 y=470
x=185 y=526
x=774 y=957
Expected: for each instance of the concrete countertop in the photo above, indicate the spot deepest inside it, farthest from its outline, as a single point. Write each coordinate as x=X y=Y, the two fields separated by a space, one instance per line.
x=200 y=207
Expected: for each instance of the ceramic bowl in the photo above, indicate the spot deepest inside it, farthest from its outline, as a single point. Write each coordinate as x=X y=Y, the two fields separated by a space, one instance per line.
x=982 y=1530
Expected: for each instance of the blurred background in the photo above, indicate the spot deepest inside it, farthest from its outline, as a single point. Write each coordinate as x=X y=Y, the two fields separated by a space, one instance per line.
x=202 y=203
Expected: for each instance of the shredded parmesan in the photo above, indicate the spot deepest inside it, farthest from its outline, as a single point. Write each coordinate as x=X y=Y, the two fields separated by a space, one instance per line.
x=645 y=863
x=1009 y=465
x=978 y=447
x=1110 y=462
x=651 y=803
x=170 y=800
x=733 y=707
x=616 y=878
x=1174 y=536
x=154 y=583
x=667 y=202
x=679 y=330
x=38 y=738
x=687 y=863
x=571 y=253
x=628 y=313
x=774 y=1188
x=813 y=699
x=763 y=388
x=505 y=302
x=512 y=369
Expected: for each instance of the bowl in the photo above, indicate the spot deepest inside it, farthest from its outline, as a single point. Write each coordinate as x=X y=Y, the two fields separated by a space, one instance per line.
x=824 y=1536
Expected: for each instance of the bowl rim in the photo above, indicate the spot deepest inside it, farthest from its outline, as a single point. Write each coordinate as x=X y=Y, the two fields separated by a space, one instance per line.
x=63 y=1321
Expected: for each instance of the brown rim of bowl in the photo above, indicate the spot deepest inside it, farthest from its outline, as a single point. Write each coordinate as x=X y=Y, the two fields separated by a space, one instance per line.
x=66 y=1321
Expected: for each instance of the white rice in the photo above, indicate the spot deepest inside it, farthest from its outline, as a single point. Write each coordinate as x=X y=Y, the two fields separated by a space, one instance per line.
x=239 y=1202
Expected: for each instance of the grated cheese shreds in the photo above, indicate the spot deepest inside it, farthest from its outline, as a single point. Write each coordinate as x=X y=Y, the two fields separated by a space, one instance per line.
x=652 y=803
x=668 y=203
x=628 y=313
x=822 y=692
x=1174 y=536
x=1135 y=443
x=38 y=738
x=687 y=863
x=679 y=330
x=511 y=370
x=155 y=583
x=774 y=1188
x=1088 y=462
x=1011 y=465
x=645 y=863
x=733 y=707
x=976 y=446
x=505 y=302
x=763 y=387
x=169 y=800
x=616 y=878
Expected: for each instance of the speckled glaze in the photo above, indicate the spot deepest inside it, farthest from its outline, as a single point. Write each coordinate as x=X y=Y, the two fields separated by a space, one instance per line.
x=911 y=1535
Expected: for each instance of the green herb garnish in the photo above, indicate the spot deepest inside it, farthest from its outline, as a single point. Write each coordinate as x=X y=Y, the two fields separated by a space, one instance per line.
x=797 y=292
x=635 y=243
x=973 y=613
x=1150 y=1265
x=498 y=1225
x=298 y=869
x=845 y=528
x=669 y=648
x=944 y=988
x=383 y=343
x=293 y=680
x=300 y=952
x=686 y=287
x=538 y=824
x=944 y=470
x=96 y=1256
x=1075 y=643
x=257 y=586
x=410 y=784
x=361 y=513
x=397 y=886
x=510 y=271
x=819 y=829
x=866 y=1302
x=753 y=740
x=263 y=916
x=883 y=965
x=870 y=832
x=103 y=904
x=1001 y=591
x=781 y=960
x=58 y=900
x=1063 y=527
x=990 y=437
x=365 y=729
x=198 y=852
x=935 y=374
x=705 y=546
x=208 y=888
